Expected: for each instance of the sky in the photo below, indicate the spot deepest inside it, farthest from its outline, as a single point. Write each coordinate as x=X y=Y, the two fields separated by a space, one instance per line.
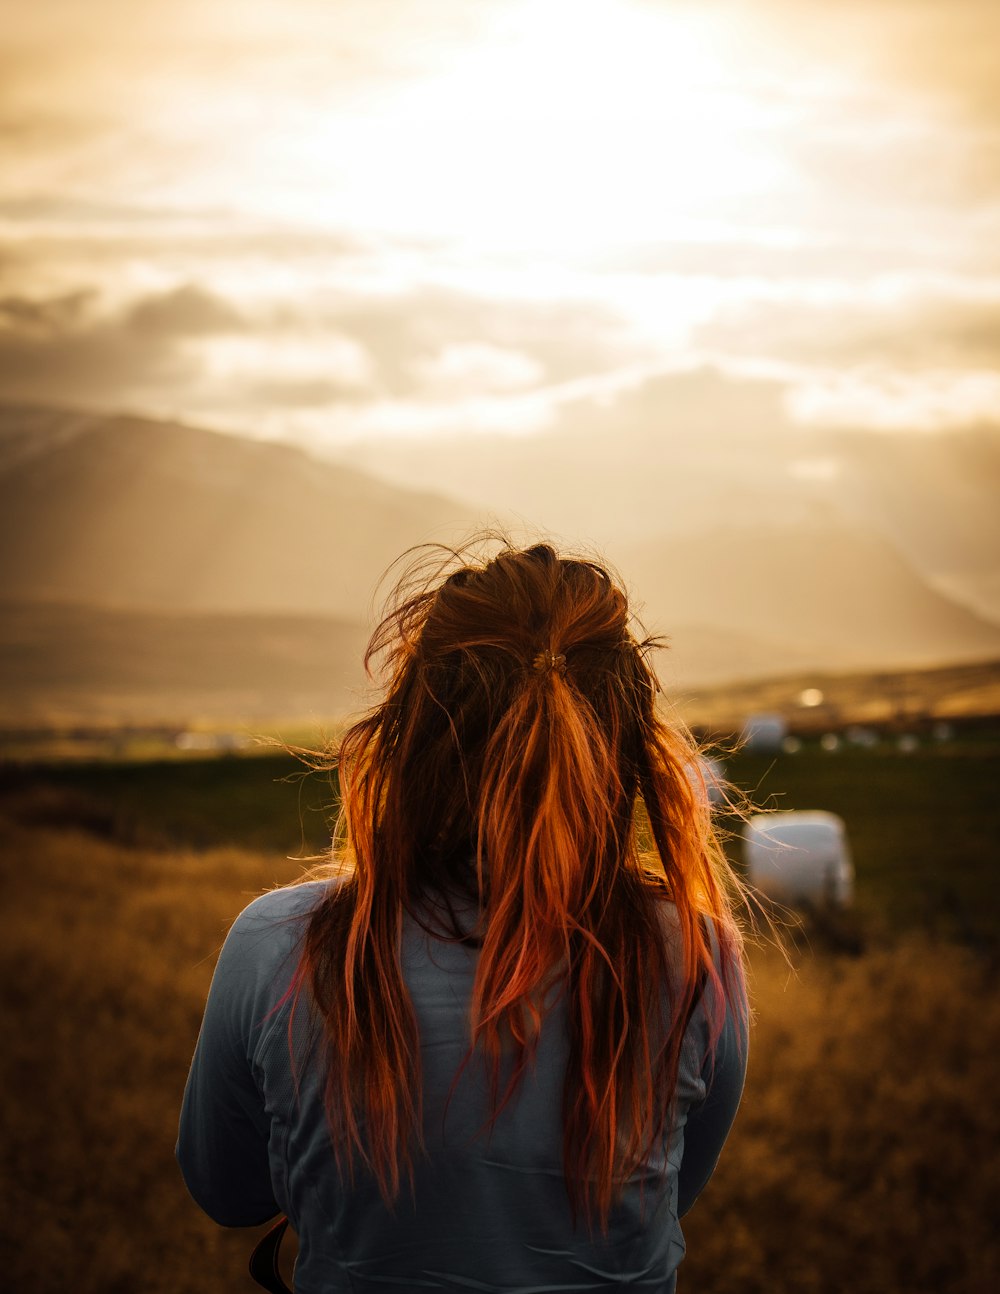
x=341 y=223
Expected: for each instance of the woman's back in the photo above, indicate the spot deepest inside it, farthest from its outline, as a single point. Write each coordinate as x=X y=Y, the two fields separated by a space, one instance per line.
x=488 y=1208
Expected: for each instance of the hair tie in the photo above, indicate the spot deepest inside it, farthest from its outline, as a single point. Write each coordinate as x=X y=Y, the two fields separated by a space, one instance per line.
x=547 y=660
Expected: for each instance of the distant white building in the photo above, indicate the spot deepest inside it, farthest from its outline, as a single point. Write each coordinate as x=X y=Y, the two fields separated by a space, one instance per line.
x=764 y=732
x=708 y=775
x=800 y=858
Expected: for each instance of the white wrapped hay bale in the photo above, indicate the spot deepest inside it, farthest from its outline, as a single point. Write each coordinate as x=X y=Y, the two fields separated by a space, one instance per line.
x=799 y=858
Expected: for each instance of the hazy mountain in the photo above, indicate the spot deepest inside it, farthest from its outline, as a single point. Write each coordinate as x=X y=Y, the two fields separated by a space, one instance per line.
x=690 y=452
x=151 y=571
x=698 y=656
x=154 y=572
x=937 y=498
x=130 y=512
x=819 y=591
x=63 y=664
x=149 y=568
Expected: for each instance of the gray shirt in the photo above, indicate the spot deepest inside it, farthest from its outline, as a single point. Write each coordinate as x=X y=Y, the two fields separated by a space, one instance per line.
x=489 y=1211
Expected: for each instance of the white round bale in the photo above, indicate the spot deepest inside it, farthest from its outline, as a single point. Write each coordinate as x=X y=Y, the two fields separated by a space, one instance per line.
x=799 y=858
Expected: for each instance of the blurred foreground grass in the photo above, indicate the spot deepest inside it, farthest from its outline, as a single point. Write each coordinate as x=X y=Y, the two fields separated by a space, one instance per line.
x=864 y=1157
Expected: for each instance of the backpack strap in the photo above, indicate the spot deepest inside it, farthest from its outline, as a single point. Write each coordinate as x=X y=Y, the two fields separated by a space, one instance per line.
x=264 y=1267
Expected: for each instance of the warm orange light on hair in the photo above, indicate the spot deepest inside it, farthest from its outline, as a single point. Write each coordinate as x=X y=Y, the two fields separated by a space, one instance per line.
x=516 y=743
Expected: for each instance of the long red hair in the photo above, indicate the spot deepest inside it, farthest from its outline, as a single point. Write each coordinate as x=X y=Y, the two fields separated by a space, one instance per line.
x=518 y=757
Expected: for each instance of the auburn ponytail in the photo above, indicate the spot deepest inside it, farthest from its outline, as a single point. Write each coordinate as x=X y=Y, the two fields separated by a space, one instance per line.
x=515 y=753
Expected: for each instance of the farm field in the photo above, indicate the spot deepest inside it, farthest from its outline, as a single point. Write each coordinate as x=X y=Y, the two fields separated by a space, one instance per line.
x=863 y=1156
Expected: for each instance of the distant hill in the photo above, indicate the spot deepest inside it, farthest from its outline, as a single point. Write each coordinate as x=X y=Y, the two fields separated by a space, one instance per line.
x=936 y=498
x=684 y=454
x=699 y=655
x=129 y=512
x=150 y=570
x=824 y=594
x=888 y=702
x=63 y=664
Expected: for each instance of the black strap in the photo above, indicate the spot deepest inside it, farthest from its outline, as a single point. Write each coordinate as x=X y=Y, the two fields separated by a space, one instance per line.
x=264 y=1267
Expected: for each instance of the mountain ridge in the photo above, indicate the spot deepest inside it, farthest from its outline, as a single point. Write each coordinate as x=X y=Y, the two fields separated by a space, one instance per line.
x=138 y=517
x=137 y=513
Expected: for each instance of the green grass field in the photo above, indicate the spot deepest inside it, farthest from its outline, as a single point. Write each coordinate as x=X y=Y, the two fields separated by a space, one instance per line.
x=864 y=1156
x=924 y=830
x=923 y=827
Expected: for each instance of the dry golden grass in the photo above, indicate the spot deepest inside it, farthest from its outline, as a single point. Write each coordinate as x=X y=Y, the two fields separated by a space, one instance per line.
x=864 y=1157
x=107 y=955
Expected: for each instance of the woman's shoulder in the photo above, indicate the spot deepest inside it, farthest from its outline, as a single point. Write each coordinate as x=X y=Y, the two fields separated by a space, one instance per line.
x=268 y=932
x=288 y=903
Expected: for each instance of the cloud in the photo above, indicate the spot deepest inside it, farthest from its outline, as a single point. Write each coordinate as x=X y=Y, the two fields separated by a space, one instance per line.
x=92 y=353
x=50 y=246
x=674 y=415
x=886 y=400
x=469 y=367
x=907 y=328
x=47 y=317
x=177 y=71
x=66 y=346
x=408 y=353
x=422 y=338
x=284 y=396
x=436 y=361
x=944 y=52
x=944 y=49
x=311 y=370
x=187 y=311
x=193 y=169
x=888 y=356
